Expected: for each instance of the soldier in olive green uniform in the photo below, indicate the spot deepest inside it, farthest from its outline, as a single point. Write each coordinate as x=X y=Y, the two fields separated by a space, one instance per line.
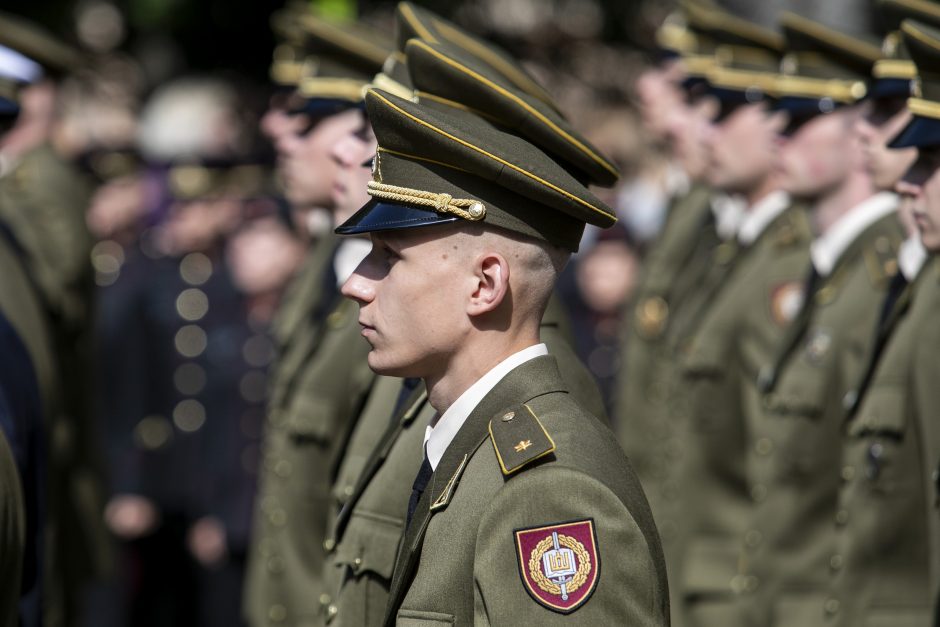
x=320 y=380
x=373 y=483
x=511 y=459
x=43 y=197
x=738 y=328
x=688 y=249
x=885 y=567
x=793 y=475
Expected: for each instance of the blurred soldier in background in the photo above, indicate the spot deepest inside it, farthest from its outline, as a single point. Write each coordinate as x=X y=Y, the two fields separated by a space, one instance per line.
x=42 y=200
x=793 y=474
x=319 y=379
x=737 y=329
x=885 y=560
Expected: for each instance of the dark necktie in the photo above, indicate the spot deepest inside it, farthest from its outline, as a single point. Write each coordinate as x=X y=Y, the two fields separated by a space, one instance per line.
x=895 y=289
x=417 y=488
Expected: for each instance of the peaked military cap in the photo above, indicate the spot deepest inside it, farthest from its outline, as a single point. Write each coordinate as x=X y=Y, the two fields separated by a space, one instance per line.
x=342 y=59
x=923 y=43
x=431 y=168
x=699 y=58
x=417 y=22
x=12 y=75
x=895 y=72
x=447 y=76
x=34 y=42
x=823 y=68
x=747 y=56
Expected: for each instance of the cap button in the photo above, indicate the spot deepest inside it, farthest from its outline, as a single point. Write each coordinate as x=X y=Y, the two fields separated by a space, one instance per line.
x=476 y=210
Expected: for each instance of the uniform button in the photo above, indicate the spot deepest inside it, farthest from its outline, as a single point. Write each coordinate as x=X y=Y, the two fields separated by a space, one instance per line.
x=332 y=610
x=282 y=468
x=348 y=490
x=764 y=447
x=277 y=613
x=835 y=562
x=275 y=565
x=848 y=473
x=329 y=544
x=759 y=493
x=278 y=517
x=357 y=562
x=325 y=599
x=753 y=538
x=849 y=399
x=832 y=606
x=842 y=517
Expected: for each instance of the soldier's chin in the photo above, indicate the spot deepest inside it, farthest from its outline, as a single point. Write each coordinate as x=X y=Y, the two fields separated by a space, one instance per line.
x=381 y=365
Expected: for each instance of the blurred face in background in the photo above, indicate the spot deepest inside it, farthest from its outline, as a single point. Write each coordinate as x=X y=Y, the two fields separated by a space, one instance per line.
x=688 y=127
x=820 y=154
x=659 y=92
x=263 y=254
x=198 y=225
x=276 y=121
x=116 y=207
x=879 y=122
x=305 y=160
x=353 y=154
x=742 y=148
x=921 y=187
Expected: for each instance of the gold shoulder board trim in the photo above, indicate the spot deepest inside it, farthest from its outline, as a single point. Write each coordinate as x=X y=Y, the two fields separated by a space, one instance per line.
x=531 y=451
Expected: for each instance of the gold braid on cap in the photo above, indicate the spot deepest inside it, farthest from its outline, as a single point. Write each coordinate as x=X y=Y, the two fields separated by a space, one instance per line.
x=442 y=203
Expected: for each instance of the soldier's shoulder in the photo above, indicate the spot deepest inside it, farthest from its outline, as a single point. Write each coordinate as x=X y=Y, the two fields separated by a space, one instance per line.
x=792 y=229
x=546 y=429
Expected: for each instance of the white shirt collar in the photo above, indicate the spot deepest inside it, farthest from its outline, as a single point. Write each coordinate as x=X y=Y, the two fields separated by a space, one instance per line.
x=728 y=211
x=349 y=254
x=18 y=67
x=677 y=182
x=760 y=215
x=439 y=437
x=911 y=257
x=828 y=247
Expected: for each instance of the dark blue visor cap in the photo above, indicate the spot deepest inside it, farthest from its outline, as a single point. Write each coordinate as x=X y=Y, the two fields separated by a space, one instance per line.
x=920 y=132
x=378 y=215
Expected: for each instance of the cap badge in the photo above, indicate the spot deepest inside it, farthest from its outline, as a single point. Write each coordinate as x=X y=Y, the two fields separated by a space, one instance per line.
x=559 y=564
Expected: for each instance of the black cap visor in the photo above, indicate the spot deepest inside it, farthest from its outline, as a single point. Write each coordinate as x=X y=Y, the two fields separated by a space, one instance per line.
x=920 y=132
x=889 y=88
x=378 y=215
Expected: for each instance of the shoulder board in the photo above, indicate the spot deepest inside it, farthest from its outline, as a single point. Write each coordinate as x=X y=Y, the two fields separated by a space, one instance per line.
x=881 y=260
x=519 y=438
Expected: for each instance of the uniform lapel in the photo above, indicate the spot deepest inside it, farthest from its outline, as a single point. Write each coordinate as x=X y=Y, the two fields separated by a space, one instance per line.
x=534 y=378
x=406 y=414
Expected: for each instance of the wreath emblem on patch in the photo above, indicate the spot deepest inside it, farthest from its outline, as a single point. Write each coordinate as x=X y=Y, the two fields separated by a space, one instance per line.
x=559 y=564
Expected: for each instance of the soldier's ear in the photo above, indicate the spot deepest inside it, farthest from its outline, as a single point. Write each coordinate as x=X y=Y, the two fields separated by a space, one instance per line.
x=491 y=271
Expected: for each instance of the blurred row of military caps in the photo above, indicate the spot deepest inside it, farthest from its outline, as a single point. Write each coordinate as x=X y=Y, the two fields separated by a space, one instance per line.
x=766 y=515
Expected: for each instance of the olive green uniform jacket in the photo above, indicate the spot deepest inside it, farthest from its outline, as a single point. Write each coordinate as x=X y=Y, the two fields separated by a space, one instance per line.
x=12 y=536
x=793 y=443
x=738 y=333
x=529 y=461
x=316 y=397
x=641 y=410
x=374 y=484
x=885 y=566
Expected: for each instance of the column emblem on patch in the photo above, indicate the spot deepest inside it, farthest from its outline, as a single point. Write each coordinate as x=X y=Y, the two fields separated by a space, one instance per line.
x=559 y=564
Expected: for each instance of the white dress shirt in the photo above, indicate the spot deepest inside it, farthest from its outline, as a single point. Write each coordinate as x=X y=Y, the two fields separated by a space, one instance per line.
x=760 y=215
x=439 y=436
x=911 y=257
x=828 y=247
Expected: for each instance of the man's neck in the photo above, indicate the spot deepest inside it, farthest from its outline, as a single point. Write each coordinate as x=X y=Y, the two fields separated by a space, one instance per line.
x=830 y=207
x=767 y=185
x=469 y=365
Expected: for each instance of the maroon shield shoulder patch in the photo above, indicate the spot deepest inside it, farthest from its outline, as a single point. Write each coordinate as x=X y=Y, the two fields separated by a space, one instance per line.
x=559 y=564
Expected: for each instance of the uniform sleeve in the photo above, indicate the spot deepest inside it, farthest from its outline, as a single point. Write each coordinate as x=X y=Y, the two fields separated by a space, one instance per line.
x=551 y=526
